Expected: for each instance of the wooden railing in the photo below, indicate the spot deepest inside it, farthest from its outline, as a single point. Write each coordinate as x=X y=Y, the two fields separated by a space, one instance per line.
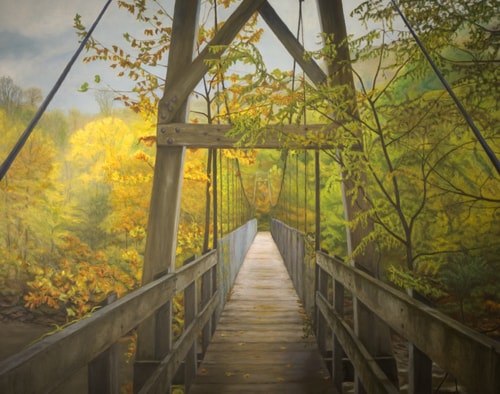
x=232 y=250
x=88 y=344
x=298 y=256
x=472 y=358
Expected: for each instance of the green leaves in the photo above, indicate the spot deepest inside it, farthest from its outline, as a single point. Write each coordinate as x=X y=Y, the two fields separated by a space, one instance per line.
x=84 y=87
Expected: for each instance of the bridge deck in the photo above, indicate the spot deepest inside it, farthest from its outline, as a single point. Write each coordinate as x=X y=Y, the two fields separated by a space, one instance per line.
x=258 y=346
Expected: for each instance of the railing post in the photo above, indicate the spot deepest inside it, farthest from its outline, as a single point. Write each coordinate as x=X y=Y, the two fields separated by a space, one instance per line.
x=215 y=288
x=155 y=337
x=154 y=334
x=300 y=268
x=207 y=290
x=321 y=325
x=294 y=258
x=103 y=370
x=337 y=351
x=419 y=364
x=190 y=312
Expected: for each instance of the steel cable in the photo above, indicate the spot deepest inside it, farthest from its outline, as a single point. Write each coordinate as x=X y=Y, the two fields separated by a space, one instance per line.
x=41 y=110
x=489 y=152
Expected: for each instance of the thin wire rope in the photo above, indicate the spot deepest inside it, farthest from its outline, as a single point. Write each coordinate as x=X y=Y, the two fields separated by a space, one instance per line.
x=297 y=199
x=238 y=168
x=283 y=174
x=305 y=191
x=299 y=30
x=41 y=110
x=221 y=195
x=489 y=152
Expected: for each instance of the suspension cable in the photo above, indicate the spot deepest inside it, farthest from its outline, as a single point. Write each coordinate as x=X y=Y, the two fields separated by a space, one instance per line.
x=300 y=33
x=41 y=110
x=489 y=152
x=238 y=169
x=282 y=181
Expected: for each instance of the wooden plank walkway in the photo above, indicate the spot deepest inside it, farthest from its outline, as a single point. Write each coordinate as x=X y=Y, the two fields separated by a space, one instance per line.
x=258 y=346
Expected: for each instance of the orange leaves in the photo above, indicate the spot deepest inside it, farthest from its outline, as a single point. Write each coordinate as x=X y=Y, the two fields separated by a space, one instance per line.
x=245 y=156
x=138 y=57
x=149 y=140
x=226 y=3
x=77 y=285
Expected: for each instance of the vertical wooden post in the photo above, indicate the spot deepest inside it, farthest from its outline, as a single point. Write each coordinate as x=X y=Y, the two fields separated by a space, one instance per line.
x=208 y=203
x=154 y=335
x=321 y=326
x=214 y=270
x=373 y=333
x=337 y=351
x=215 y=187
x=419 y=364
x=103 y=370
x=190 y=312
x=206 y=294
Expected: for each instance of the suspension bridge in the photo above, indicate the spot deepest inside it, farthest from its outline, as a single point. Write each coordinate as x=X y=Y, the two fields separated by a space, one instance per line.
x=264 y=311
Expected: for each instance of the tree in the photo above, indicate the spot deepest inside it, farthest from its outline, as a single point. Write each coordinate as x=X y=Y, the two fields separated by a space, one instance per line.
x=105 y=100
x=461 y=276
x=10 y=95
x=32 y=97
x=93 y=151
x=23 y=192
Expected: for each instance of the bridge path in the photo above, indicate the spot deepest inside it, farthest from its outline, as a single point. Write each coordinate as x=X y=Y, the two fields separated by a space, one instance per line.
x=259 y=344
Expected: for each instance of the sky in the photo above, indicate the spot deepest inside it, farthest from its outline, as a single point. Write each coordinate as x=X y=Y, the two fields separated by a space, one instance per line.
x=37 y=40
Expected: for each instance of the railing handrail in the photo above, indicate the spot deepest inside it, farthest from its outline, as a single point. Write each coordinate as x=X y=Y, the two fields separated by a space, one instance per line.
x=473 y=358
x=44 y=365
x=443 y=339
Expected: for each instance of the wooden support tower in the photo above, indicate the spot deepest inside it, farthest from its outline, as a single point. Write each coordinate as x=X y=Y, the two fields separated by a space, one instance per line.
x=174 y=135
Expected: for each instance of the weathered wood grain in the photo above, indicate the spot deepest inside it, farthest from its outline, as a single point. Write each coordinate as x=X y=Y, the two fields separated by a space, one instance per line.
x=473 y=358
x=259 y=345
x=311 y=68
x=177 y=92
x=41 y=367
x=193 y=135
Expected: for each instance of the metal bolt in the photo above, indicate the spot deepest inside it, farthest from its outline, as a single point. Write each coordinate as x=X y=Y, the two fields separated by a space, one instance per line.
x=163 y=130
x=177 y=129
x=170 y=141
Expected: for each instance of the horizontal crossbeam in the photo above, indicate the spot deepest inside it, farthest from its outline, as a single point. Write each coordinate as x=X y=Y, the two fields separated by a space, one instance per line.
x=373 y=378
x=473 y=358
x=218 y=136
x=44 y=365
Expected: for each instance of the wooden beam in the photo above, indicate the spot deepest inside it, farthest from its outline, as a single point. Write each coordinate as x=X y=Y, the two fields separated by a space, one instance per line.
x=472 y=358
x=374 y=335
x=294 y=47
x=190 y=272
x=216 y=136
x=46 y=364
x=373 y=378
x=162 y=377
x=177 y=92
x=155 y=335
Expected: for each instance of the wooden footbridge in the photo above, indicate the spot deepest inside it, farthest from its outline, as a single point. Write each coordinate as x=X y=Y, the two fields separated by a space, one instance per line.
x=271 y=336
x=261 y=343
x=251 y=332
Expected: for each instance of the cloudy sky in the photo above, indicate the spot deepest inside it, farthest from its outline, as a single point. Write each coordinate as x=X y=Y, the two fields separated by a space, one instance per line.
x=37 y=40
